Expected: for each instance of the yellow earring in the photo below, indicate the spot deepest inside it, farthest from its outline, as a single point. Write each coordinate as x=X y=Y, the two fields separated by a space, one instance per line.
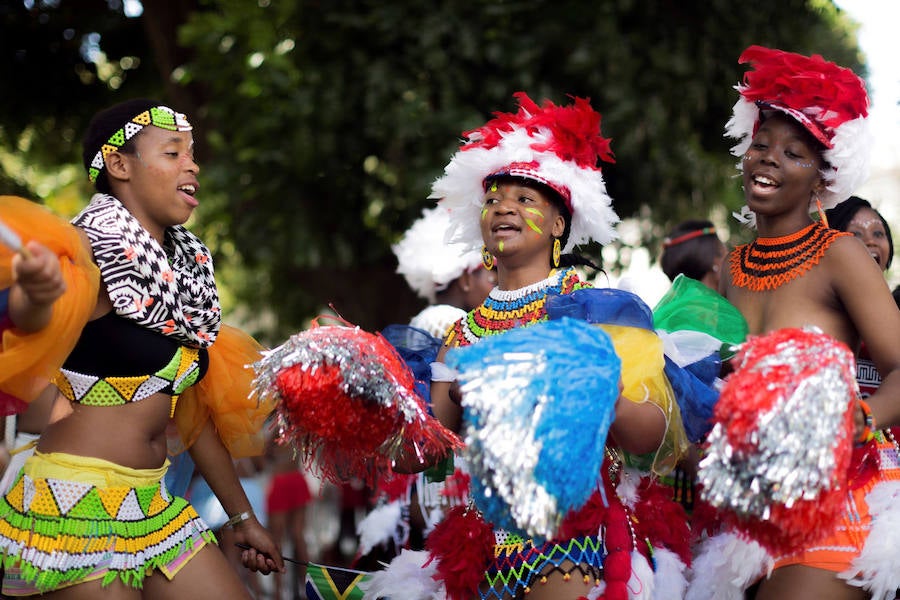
x=557 y=252
x=487 y=259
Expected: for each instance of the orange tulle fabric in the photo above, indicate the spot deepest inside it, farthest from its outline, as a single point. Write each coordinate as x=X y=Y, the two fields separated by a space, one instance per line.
x=224 y=396
x=28 y=362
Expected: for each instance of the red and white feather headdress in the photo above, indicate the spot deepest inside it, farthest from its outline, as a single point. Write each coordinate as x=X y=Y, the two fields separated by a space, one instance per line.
x=559 y=146
x=828 y=100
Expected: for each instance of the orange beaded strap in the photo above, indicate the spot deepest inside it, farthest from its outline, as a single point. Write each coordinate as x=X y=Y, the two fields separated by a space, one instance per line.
x=768 y=263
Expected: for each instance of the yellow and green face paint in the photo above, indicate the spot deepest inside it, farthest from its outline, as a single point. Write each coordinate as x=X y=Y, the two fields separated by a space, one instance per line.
x=534 y=226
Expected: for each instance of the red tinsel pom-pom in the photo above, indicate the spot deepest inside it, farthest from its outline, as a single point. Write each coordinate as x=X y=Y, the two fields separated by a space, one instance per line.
x=777 y=460
x=347 y=402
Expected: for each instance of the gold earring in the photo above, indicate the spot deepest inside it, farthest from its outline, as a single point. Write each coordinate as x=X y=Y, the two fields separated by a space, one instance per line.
x=487 y=259
x=557 y=252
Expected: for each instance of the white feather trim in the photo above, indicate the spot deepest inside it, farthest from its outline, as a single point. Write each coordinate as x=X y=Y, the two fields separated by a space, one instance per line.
x=725 y=566
x=740 y=125
x=877 y=568
x=670 y=579
x=849 y=159
x=378 y=527
x=460 y=189
x=426 y=261
x=642 y=581
x=626 y=490
x=406 y=577
x=597 y=591
x=437 y=319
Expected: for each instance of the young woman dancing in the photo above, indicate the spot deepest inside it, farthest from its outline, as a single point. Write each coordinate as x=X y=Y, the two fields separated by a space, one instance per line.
x=803 y=143
x=139 y=339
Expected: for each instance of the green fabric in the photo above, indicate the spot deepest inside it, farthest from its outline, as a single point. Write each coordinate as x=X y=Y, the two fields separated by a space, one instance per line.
x=441 y=470
x=690 y=305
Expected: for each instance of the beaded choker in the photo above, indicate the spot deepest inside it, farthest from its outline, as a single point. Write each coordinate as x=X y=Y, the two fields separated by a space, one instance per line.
x=769 y=263
x=504 y=309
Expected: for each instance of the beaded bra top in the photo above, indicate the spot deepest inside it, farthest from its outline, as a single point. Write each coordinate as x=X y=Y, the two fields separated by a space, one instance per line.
x=117 y=361
x=504 y=309
x=768 y=263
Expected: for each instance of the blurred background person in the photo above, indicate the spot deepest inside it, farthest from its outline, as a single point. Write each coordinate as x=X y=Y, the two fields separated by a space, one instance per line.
x=450 y=277
x=692 y=248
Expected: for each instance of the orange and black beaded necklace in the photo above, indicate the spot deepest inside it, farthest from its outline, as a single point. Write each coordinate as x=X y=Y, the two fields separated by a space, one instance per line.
x=768 y=263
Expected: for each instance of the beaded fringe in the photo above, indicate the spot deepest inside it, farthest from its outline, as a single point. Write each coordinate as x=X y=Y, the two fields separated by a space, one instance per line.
x=518 y=563
x=72 y=532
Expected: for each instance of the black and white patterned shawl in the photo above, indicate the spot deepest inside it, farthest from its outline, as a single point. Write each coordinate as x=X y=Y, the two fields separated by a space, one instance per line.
x=174 y=295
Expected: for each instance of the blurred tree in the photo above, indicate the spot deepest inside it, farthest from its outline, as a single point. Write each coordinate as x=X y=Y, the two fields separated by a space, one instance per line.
x=325 y=122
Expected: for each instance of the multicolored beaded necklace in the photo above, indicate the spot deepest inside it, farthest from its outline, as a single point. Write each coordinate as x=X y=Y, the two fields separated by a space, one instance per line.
x=504 y=309
x=769 y=263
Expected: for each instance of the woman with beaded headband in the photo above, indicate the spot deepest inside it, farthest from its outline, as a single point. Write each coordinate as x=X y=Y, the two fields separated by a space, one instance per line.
x=527 y=187
x=134 y=345
x=801 y=126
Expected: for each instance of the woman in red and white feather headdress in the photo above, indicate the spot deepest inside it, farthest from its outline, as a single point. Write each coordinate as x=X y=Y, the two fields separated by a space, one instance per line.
x=781 y=461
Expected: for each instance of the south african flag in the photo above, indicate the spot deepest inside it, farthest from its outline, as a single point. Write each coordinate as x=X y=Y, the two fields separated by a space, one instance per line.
x=333 y=583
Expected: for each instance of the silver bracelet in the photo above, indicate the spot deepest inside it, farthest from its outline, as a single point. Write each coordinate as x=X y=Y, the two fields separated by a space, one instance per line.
x=239 y=518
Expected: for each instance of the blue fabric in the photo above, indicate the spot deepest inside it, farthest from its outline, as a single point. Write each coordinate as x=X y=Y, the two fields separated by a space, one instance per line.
x=695 y=395
x=179 y=474
x=601 y=306
x=418 y=349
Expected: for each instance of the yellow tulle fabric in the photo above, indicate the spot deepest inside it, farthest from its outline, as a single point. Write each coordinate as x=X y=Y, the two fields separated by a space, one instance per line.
x=643 y=380
x=28 y=362
x=224 y=395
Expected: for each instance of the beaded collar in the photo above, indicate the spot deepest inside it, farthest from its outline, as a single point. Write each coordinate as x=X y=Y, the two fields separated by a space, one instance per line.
x=769 y=263
x=504 y=309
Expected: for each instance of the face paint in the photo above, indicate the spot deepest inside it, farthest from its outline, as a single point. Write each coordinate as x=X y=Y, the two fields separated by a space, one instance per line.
x=484 y=213
x=803 y=165
x=534 y=227
x=537 y=212
x=500 y=246
x=494 y=187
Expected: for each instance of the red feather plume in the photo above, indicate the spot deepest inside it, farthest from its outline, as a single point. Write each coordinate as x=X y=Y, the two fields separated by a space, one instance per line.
x=824 y=91
x=463 y=546
x=575 y=130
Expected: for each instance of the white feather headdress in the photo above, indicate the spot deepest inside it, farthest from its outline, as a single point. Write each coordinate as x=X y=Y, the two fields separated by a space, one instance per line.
x=559 y=146
x=429 y=263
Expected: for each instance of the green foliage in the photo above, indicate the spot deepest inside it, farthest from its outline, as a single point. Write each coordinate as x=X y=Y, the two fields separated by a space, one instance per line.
x=59 y=63
x=331 y=119
x=324 y=123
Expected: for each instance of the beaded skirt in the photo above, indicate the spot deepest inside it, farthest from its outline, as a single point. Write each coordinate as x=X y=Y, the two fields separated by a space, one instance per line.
x=58 y=532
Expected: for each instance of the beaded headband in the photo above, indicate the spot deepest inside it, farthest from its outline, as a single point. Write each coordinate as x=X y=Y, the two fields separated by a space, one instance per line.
x=668 y=242
x=159 y=116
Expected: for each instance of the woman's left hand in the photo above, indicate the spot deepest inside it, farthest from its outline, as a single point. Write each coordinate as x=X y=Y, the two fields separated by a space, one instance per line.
x=263 y=554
